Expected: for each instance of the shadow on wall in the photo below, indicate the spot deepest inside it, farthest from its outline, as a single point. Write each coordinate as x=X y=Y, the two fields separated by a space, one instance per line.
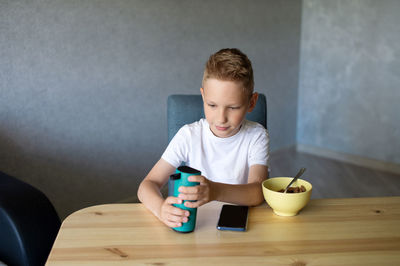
x=71 y=183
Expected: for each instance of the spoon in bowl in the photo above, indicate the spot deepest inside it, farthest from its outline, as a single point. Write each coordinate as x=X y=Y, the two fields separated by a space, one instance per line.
x=295 y=178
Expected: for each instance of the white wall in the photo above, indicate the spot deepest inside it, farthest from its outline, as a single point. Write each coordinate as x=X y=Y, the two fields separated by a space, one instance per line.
x=84 y=83
x=349 y=90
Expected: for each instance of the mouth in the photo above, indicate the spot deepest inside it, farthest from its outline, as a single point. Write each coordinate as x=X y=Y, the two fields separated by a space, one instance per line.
x=221 y=128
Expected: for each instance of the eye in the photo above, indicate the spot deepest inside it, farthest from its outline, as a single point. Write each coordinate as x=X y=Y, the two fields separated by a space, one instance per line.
x=211 y=105
x=234 y=107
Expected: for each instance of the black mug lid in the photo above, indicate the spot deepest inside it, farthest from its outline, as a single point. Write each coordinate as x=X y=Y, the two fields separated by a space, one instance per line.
x=175 y=176
x=188 y=170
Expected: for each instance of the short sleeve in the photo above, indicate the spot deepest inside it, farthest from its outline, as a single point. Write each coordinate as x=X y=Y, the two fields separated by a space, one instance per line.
x=178 y=148
x=259 y=150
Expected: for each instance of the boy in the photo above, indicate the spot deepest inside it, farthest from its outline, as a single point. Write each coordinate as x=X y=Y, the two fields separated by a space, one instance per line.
x=230 y=152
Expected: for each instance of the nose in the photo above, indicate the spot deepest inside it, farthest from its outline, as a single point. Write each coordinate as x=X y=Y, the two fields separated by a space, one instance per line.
x=222 y=116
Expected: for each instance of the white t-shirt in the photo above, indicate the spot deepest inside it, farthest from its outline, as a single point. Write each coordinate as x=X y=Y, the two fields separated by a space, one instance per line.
x=225 y=160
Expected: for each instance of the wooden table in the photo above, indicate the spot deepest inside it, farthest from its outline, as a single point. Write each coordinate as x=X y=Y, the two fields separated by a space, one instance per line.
x=357 y=231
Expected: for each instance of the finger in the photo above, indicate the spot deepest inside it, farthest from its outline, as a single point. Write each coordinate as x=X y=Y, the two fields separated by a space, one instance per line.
x=178 y=212
x=173 y=200
x=196 y=178
x=189 y=190
x=194 y=204
x=176 y=218
x=172 y=224
x=189 y=196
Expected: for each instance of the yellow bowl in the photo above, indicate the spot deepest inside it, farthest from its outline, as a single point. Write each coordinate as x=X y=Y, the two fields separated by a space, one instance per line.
x=285 y=204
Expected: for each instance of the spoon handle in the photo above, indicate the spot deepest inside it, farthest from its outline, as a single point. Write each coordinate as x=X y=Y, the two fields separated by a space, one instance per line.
x=295 y=178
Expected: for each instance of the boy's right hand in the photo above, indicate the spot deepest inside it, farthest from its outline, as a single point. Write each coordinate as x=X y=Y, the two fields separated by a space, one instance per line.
x=173 y=216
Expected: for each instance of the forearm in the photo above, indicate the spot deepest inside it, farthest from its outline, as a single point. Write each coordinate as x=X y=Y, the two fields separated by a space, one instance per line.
x=149 y=194
x=247 y=194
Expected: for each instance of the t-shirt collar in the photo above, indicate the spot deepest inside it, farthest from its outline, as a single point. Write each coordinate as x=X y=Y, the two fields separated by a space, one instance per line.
x=219 y=139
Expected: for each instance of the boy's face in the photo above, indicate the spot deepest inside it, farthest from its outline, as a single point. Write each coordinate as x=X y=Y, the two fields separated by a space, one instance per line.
x=225 y=106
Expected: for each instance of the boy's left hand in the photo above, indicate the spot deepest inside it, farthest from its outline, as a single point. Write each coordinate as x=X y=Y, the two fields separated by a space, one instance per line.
x=201 y=193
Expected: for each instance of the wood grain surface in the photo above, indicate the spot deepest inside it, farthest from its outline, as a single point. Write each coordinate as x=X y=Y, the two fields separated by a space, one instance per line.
x=356 y=231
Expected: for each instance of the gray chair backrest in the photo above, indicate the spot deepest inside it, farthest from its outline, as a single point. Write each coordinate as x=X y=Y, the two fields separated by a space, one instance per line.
x=186 y=109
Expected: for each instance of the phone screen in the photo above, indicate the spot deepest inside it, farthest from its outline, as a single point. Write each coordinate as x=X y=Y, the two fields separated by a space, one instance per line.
x=233 y=217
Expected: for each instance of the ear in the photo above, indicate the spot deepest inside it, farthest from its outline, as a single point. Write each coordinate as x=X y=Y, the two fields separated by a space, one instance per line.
x=202 y=93
x=253 y=101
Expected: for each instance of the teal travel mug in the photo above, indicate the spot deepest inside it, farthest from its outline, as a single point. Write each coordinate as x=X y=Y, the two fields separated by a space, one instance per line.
x=180 y=178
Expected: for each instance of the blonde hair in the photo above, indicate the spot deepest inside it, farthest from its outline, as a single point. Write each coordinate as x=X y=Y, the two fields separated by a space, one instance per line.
x=230 y=64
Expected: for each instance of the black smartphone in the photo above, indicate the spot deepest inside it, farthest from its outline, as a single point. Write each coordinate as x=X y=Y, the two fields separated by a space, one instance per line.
x=233 y=218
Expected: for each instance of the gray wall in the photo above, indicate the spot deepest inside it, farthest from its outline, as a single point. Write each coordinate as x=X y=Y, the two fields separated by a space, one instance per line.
x=349 y=88
x=83 y=84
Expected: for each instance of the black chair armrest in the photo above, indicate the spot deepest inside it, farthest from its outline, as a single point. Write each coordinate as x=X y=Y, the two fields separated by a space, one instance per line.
x=28 y=223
